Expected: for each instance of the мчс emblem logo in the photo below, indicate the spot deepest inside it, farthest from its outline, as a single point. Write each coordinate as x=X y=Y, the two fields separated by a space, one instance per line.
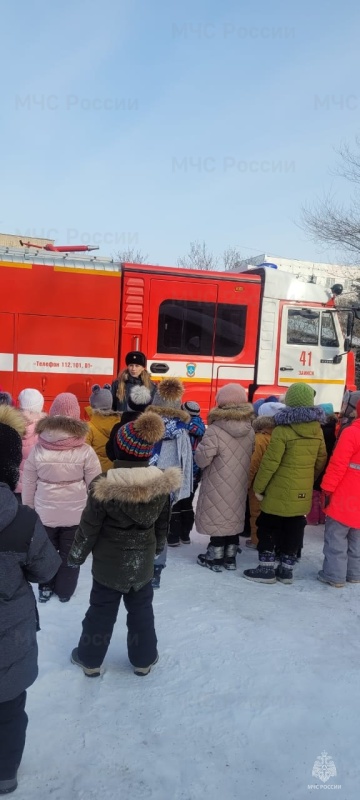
x=324 y=767
x=190 y=370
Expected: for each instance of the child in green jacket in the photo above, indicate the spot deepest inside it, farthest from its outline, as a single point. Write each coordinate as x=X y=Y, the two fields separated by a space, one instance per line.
x=284 y=483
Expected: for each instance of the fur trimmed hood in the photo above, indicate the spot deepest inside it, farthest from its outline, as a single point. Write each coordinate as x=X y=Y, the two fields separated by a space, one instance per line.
x=66 y=426
x=170 y=412
x=263 y=424
x=300 y=414
x=13 y=418
x=136 y=485
x=96 y=412
x=243 y=413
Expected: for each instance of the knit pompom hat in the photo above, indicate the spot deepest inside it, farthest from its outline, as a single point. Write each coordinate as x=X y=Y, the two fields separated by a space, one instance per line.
x=300 y=395
x=270 y=409
x=101 y=398
x=135 y=441
x=169 y=393
x=139 y=398
x=12 y=428
x=5 y=399
x=231 y=395
x=65 y=405
x=31 y=400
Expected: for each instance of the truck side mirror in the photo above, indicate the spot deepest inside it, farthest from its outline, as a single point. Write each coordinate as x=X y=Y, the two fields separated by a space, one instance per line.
x=337 y=359
x=347 y=344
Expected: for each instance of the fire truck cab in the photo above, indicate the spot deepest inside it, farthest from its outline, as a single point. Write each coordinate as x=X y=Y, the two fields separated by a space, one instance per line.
x=67 y=322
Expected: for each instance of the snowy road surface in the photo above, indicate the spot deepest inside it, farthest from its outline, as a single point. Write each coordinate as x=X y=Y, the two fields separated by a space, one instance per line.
x=254 y=683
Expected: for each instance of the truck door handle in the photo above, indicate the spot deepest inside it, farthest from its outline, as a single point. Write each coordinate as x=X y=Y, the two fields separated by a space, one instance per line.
x=160 y=368
x=286 y=369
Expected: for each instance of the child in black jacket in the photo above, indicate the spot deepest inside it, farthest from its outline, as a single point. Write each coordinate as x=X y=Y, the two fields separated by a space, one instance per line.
x=124 y=524
x=26 y=554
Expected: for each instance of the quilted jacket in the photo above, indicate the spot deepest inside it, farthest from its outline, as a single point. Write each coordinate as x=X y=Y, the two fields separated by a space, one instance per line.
x=101 y=424
x=295 y=457
x=263 y=427
x=58 y=471
x=342 y=478
x=224 y=455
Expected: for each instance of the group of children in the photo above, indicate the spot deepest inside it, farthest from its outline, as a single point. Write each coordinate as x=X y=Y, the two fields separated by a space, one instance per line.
x=121 y=486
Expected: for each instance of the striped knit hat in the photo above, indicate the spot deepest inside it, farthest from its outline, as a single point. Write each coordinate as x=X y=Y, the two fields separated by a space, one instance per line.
x=135 y=441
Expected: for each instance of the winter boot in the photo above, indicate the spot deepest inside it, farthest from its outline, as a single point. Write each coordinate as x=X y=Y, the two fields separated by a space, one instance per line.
x=230 y=556
x=141 y=671
x=45 y=592
x=155 y=583
x=265 y=572
x=336 y=584
x=9 y=785
x=90 y=672
x=284 y=572
x=213 y=558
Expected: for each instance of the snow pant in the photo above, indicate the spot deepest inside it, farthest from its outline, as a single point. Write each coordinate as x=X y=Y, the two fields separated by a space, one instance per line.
x=65 y=581
x=255 y=508
x=160 y=560
x=100 y=619
x=182 y=517
x=283 y=534
x=247 y=523
x=316 y=516
x=341 y=551
x=13 y=724
x=223 y=541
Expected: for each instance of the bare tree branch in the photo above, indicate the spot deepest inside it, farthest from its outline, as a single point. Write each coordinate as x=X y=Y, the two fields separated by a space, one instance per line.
x=132 y=256
x=330 y=222
x=349 y=165
x=199 y=257
x=231 y=258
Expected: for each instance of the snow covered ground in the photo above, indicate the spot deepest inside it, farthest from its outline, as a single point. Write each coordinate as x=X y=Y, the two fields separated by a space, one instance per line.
x=254 y=683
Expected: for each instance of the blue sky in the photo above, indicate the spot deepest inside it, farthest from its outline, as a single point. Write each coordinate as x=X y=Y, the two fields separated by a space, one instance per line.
x=152 y=125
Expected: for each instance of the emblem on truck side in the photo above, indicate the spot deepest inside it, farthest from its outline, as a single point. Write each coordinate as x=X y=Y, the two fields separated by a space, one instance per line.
x=190 y=370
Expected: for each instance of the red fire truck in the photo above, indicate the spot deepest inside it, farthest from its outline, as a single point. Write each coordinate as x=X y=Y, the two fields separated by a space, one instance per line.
x=67 y=321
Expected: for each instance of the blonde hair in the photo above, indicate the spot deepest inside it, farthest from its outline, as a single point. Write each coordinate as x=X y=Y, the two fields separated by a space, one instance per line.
x=123 y=378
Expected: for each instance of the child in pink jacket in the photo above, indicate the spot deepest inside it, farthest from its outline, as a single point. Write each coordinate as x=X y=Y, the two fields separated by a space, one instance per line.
x=31 y=403
x=55 y=481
